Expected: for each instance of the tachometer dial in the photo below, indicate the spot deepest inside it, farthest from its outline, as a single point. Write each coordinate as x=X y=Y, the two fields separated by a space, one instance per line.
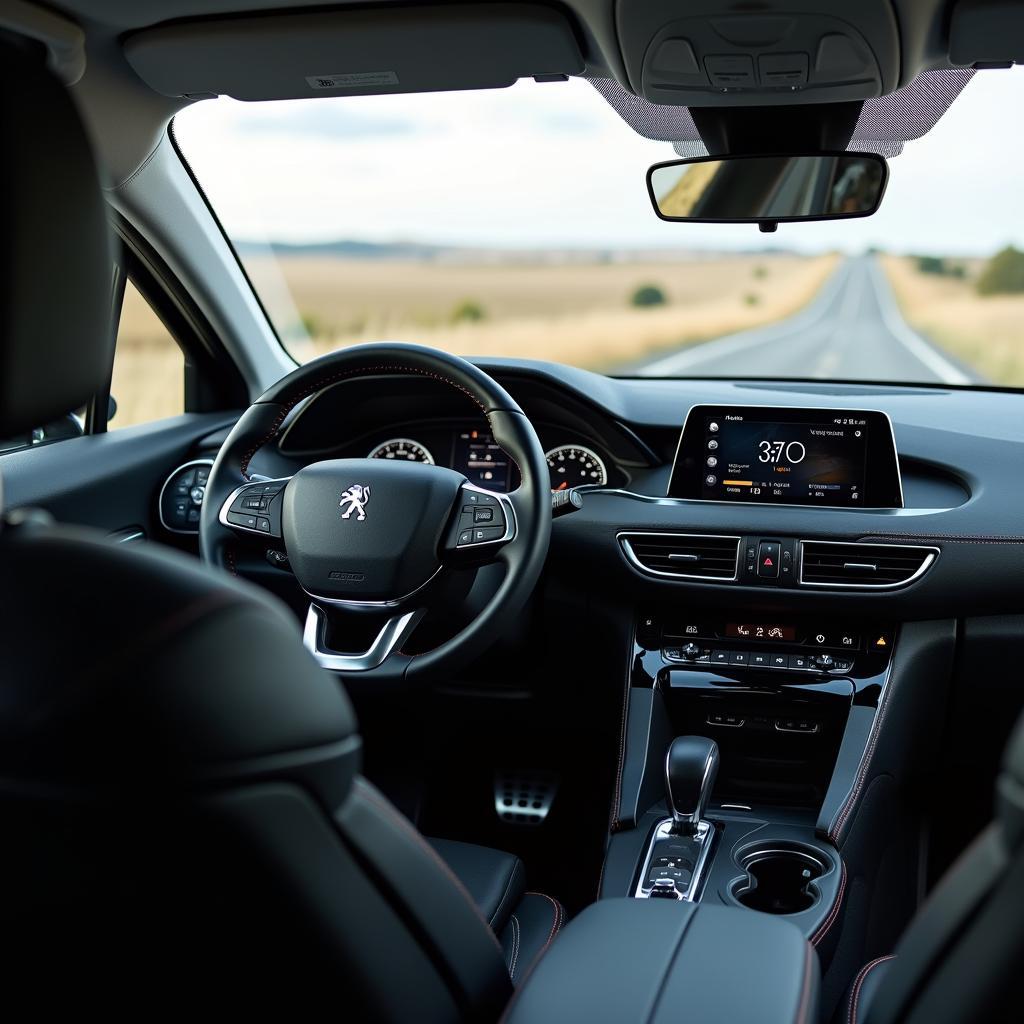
x=572 y=465
x=402 y=449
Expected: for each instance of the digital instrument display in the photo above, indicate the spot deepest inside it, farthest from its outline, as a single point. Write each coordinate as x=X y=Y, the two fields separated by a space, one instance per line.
x=826 y=457
x=761 y=631
x=481 y=460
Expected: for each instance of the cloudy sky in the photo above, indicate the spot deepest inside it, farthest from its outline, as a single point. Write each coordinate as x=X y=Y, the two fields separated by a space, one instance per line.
x=553 y=165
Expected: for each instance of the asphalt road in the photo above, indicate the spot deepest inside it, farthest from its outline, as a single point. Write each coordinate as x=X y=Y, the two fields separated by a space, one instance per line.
x=852 y=330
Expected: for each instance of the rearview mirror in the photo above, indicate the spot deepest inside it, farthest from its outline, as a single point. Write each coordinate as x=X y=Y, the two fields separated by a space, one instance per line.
x=767 y=190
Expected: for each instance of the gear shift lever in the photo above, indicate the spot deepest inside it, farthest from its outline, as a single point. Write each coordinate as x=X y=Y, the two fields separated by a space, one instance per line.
x=690 y=769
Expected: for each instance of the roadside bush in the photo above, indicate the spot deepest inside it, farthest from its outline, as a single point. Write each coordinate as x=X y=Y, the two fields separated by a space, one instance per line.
x=468 y=312
x=648 y=295
x=751 y=298
x=311 y=324
x=760 y=272
x=931 y=265
x=1003 y=274
x=940 y=266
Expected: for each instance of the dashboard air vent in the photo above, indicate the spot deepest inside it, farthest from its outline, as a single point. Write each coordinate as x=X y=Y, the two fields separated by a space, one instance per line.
x=683 y=555
x=871 y=566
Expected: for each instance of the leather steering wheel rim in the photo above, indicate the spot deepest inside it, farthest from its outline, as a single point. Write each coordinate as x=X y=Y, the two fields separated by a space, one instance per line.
x=523 y=556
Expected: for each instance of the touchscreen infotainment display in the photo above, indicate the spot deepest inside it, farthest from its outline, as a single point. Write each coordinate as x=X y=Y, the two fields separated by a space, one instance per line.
x=825 y=457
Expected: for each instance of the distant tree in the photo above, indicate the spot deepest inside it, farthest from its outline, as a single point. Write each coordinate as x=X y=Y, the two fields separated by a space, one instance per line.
x=751 y=298
x=931 y=265
x=1003 y=274
x=648 y=295
x=469 y=312
x=760 y=271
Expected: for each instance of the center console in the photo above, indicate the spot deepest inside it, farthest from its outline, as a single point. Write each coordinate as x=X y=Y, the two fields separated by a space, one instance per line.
x=627 y=960
x=734 y=762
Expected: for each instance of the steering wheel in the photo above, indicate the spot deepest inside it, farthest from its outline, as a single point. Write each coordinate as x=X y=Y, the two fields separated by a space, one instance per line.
x=379 y=537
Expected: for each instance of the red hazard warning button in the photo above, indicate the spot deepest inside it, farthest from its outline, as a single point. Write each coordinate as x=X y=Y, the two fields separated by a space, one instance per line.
x=768 y=558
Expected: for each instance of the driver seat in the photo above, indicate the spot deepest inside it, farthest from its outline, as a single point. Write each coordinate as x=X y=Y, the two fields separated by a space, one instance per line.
x=179 y=781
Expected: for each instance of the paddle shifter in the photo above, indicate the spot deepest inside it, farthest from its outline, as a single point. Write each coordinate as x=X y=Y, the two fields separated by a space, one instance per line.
x=690 y=769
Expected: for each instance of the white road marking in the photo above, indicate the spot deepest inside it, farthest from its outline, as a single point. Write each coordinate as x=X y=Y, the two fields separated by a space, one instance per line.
x=731 y=344
x=820 y=308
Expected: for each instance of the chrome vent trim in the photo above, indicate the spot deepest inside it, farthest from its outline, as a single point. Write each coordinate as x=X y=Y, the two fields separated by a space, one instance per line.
x=849 y=565
x=690 y=549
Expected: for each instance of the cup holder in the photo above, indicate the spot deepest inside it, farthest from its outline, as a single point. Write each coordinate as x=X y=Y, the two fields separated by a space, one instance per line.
x=779 y=878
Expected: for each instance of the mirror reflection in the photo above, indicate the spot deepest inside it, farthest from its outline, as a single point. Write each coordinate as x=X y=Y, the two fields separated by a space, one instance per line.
x=759 y=188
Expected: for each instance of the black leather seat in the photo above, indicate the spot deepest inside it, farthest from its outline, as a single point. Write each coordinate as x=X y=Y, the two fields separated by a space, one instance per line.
x=182 y=809
x=962 y=956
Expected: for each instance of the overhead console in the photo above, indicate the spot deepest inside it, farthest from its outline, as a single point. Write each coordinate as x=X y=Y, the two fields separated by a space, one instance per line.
x=781 y=52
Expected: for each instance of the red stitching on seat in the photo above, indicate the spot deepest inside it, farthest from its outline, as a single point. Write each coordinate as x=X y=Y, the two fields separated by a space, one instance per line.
x=834 y=912
x=342 y=375
x=851 y=1017
x=407 y=827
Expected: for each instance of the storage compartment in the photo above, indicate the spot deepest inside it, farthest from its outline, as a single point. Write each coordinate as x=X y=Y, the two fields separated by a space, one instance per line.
x=778 y=743
x=779 y=878
x=663 y=961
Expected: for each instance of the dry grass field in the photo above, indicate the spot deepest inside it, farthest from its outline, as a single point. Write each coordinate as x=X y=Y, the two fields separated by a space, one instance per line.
x=572 y=313
x=985 y=332
x=148 y=381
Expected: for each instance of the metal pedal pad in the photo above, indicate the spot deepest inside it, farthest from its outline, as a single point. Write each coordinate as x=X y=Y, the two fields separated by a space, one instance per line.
x=524 y=796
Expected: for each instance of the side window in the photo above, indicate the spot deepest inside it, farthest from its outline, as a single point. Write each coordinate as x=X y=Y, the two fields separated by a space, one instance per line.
x=148 y=380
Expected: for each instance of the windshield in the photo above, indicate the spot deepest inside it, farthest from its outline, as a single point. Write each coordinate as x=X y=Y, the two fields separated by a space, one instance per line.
x=517 y=223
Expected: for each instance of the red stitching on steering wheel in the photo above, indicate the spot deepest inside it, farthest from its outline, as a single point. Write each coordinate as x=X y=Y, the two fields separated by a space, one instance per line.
x=341 y=375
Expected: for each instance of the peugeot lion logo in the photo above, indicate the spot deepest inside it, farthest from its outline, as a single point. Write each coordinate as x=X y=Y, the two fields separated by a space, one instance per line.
x=355 y=498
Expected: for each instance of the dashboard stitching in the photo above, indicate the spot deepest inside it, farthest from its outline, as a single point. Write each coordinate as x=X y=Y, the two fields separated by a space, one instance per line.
x=333 y=378
x=951 y=538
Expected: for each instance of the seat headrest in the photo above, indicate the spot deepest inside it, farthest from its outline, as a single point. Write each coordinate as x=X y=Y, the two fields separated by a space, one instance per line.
x=56 y=265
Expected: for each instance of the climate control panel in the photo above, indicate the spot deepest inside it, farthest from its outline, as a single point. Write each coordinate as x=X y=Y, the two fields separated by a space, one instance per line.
x=739 y=641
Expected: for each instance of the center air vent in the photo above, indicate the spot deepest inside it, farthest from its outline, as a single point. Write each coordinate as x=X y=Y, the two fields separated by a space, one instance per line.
x=683 y=555
x=877 y=566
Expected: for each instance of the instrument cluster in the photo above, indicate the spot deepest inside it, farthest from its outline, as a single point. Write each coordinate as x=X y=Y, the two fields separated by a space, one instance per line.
x=477 y=455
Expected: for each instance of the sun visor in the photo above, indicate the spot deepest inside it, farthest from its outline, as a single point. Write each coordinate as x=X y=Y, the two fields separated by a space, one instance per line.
x=987 y=33
x=356 y=52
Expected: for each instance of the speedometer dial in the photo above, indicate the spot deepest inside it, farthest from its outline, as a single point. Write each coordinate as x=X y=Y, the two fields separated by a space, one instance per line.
x=572 y=465
x=402 y=449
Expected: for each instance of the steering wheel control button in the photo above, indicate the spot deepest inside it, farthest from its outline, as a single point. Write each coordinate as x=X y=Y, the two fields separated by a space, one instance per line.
x=483 y=515
x=769 y=558
x=474 y=498
x=484 y=534
x=255 y=508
